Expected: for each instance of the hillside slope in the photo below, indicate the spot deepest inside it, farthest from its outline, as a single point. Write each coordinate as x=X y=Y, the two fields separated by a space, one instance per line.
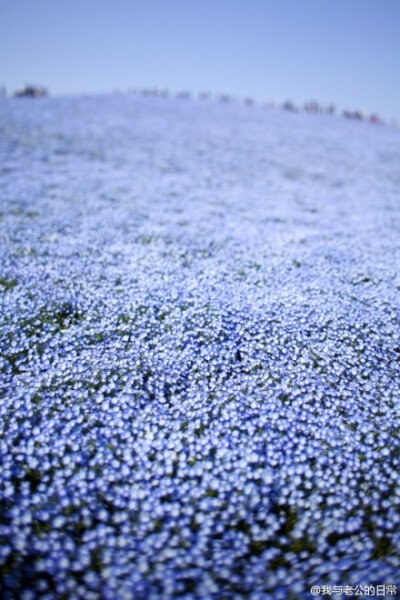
x=200 y=350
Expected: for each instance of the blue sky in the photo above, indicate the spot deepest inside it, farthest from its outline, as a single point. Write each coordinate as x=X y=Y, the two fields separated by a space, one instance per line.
x=341 y=51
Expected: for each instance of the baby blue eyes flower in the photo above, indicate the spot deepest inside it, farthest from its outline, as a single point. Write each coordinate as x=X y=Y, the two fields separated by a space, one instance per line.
x=199 y=360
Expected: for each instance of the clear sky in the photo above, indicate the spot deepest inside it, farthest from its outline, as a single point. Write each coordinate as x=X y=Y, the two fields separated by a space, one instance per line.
x=342 y=51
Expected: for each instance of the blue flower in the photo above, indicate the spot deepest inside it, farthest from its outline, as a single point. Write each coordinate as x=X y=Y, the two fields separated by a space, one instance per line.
x=199 y=353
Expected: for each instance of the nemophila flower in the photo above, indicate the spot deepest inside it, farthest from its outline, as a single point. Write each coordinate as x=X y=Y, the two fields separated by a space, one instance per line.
x=199 y=398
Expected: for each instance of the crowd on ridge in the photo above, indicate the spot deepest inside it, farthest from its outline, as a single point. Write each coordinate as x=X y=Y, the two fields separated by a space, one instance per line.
x=311 y=106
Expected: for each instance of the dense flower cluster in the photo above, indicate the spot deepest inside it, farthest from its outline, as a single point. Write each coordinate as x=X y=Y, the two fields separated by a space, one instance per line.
x=200 y=351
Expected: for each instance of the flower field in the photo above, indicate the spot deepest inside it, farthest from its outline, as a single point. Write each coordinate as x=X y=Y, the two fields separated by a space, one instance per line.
x=199 y=351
